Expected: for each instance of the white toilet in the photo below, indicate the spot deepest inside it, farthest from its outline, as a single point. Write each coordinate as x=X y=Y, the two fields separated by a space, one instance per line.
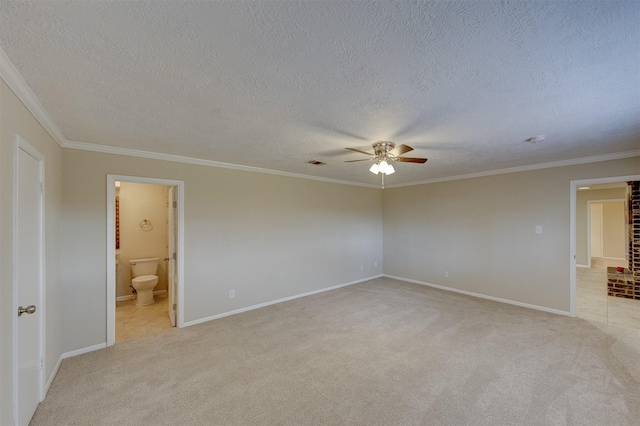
x=144 y=279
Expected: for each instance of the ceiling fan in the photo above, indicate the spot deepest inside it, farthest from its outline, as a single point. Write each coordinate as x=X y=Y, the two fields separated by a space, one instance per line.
x=384 y=154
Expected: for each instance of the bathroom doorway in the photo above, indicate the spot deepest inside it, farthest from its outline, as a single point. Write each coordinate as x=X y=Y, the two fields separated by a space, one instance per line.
x=152 y=227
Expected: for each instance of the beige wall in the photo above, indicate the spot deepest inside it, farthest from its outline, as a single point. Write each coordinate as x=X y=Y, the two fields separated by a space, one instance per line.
x=265 y=236
x=268 y=237
x=16 y=119
x=138 y=202
x=482 y=231
x=582 y=224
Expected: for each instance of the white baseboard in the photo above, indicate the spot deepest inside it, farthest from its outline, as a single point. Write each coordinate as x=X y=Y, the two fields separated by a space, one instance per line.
x=69 y=355
x=89 y=348
x=53 y=376
x=582 y=266
x=84 y=350
x=237 y=311
x=484 y=296
x=273 y=302
x=133 y=296
x=297 y=296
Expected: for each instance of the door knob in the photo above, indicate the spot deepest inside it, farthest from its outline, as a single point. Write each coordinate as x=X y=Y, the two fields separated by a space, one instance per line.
x=28 y=310
x=166 y=259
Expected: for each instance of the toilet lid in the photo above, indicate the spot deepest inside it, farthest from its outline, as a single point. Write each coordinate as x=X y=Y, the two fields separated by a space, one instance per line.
x=144 y=278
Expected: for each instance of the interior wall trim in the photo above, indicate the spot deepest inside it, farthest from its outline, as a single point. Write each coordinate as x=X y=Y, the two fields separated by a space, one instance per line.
x=69 y=355
x=190 y=160
x=200 y=162
x=549 y=165
x=273 y=302
x=103 y=345
x=484 y=296
x=14 y=80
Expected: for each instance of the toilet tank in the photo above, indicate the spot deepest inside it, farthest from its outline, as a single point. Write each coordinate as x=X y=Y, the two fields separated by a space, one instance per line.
x=141 y=267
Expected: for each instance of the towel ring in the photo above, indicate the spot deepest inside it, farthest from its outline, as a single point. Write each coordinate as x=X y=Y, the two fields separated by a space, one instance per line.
x=146 y=225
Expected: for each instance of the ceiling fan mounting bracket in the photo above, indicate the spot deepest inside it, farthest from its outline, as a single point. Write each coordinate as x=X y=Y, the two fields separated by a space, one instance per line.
x=383 y=147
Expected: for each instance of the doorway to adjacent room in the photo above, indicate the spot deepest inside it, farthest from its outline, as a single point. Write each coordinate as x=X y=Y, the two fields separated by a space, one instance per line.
x=163 y=221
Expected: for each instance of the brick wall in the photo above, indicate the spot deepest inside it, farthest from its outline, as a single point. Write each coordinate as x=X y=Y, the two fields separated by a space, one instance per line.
x=634 y=231
x=627 y=283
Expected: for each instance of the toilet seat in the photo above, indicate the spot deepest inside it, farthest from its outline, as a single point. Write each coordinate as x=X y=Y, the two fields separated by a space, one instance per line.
x=144 y=279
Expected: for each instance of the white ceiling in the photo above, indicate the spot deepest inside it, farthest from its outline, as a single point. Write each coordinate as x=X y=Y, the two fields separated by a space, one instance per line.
x=275 y=84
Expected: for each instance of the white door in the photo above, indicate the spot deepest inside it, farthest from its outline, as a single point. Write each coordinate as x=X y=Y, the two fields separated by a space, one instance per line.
x=596 y=230
x=171 y=272
x=28 y=284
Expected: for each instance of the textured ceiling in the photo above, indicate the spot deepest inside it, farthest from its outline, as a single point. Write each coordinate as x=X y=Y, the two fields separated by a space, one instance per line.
x=275 y=84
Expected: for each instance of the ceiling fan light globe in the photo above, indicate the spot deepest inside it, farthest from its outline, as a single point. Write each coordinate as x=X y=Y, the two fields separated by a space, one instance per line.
x=390 y=170
x=384 y=166
x=375 y=169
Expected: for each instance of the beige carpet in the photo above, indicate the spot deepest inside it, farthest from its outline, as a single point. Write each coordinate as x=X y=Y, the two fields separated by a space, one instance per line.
x=378 y=353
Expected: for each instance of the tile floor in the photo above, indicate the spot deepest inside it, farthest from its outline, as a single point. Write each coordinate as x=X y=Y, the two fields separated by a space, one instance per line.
x=593 y=303
x=136 y=321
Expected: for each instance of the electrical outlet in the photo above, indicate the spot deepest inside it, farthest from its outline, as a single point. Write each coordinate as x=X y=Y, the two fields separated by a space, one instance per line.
x=232 y=294
x=446 y=274
x=361 y=268
x=538 y=229
x=375 y=264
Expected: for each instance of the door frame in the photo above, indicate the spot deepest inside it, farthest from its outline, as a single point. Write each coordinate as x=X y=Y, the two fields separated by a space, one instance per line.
x=574 y=184
x=111 y=247
x=172 y=234
x=21 y=144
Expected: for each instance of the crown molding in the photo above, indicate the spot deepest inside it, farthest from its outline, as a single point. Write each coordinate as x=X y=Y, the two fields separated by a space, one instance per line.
x=561 y=163
x=210 y=163
x=19 y=86
x=14 y=80
x=200 y=162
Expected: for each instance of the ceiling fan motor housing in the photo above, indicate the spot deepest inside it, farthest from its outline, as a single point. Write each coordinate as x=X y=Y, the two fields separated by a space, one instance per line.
x=382 y=148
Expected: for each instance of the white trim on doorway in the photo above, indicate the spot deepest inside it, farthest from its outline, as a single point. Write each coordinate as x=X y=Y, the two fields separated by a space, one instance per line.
x=574 y=184
x=111 y=248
